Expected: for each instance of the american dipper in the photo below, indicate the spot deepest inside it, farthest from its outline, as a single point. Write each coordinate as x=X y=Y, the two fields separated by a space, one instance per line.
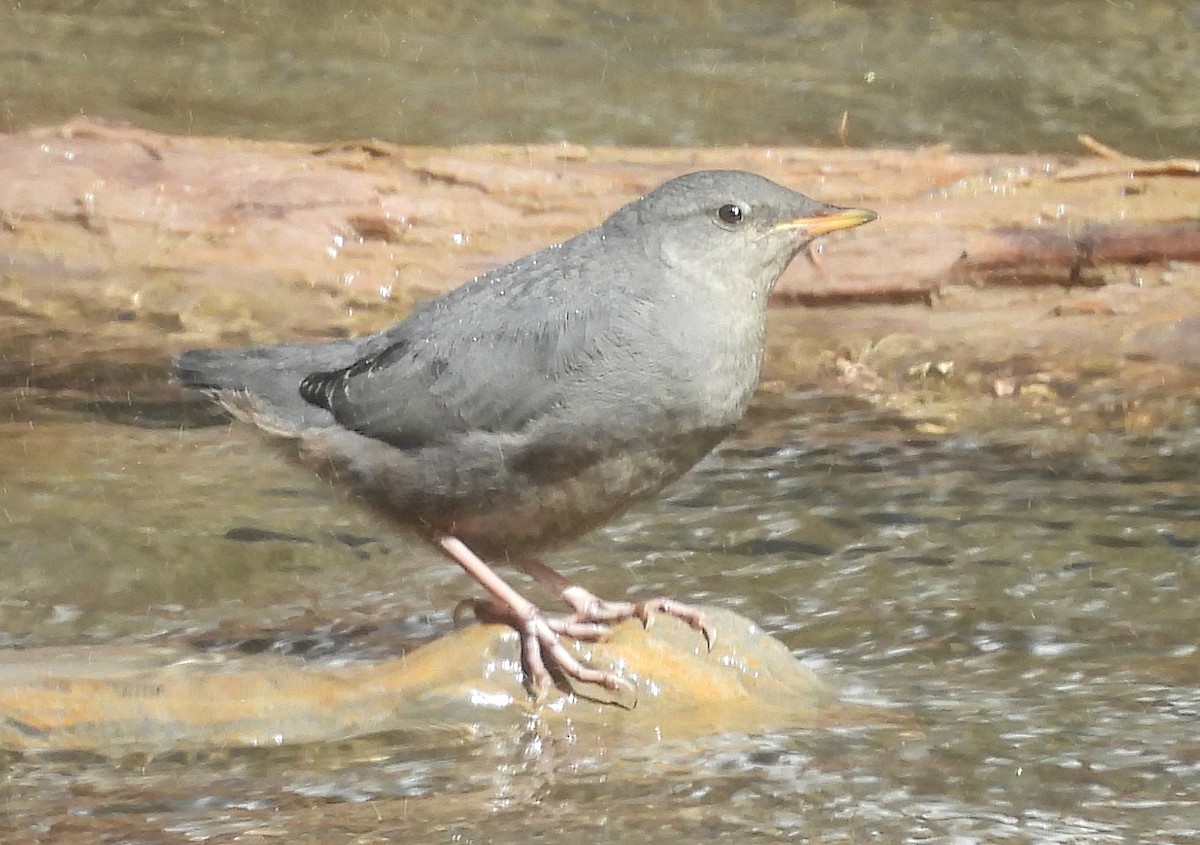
x=546 y=397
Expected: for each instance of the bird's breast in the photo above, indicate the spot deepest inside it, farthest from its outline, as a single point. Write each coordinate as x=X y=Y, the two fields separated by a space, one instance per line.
x=715 y=359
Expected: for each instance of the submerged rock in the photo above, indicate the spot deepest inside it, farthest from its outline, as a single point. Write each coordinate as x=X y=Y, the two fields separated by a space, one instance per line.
x=119 y=698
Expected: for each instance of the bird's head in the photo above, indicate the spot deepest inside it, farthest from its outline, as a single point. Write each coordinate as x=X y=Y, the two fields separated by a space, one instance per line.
x=729 y=227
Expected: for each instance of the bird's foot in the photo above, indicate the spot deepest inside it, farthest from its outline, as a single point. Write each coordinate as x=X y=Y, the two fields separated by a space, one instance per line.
x=590 y=609
x=541 y=648
x=563 y=625
x=540 y=643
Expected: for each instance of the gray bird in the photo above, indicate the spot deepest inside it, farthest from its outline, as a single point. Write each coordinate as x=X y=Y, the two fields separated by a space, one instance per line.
x=546 y=397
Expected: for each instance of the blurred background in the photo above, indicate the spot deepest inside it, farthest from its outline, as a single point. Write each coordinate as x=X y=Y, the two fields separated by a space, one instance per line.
x=984 y=76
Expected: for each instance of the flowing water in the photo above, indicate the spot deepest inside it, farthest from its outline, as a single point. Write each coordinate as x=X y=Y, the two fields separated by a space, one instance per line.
x=1017 y=76
x=1024 y=600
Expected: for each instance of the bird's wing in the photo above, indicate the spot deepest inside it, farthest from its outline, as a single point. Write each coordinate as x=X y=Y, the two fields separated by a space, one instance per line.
x=483 y=362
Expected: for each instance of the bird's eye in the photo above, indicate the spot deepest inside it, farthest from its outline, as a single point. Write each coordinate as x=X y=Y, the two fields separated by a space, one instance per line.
x=730 y=214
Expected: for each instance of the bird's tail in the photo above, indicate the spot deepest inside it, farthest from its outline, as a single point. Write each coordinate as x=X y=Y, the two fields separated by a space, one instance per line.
x=261 y=384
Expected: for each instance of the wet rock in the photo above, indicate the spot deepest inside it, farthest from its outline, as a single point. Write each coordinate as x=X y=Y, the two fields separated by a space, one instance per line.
x=118 y=698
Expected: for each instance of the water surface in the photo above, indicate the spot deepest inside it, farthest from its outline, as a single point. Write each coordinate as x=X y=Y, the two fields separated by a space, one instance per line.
x=1024 y=600
x=1018 y=76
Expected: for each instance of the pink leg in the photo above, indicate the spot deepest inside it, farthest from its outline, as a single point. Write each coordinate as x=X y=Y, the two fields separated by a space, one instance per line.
x=539 y=637
x=593 y=610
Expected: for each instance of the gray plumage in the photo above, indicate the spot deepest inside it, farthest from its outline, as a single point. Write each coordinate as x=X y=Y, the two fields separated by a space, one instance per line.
x=540 y=400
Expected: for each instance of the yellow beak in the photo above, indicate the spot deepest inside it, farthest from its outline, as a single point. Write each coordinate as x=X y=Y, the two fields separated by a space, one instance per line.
x=841 y=218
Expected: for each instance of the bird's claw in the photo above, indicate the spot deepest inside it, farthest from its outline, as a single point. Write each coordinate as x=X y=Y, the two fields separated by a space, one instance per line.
x=540 y=644
x=595 y=610
x=541 y=649
x=683 y=612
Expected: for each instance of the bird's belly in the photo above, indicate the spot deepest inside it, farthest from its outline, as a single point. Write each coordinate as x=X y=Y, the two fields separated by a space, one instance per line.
x=518 y=501
x=528 y=515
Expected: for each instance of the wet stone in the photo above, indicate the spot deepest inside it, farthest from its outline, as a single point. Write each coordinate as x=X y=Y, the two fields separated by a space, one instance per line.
x=116 y=698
